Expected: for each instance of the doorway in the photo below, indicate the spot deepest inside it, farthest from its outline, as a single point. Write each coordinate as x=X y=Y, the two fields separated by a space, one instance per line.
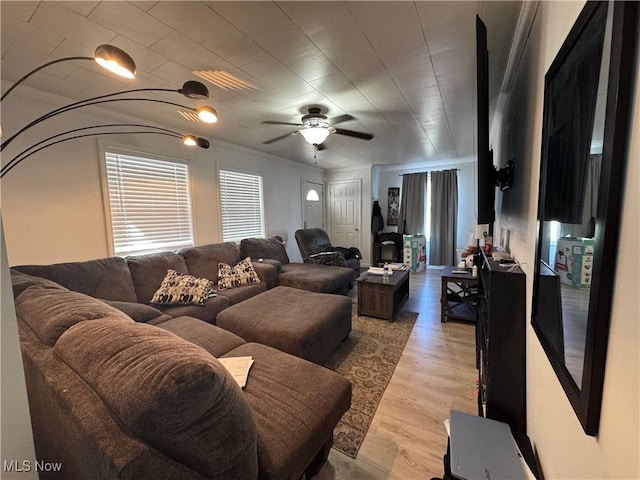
x=312 y=205
x=344 y=213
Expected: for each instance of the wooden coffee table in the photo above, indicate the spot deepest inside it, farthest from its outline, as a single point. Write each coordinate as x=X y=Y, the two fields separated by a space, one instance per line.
x=377 y=298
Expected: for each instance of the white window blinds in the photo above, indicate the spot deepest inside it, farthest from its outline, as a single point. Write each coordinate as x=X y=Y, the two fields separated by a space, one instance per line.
x=241 y=205
x=150 y=204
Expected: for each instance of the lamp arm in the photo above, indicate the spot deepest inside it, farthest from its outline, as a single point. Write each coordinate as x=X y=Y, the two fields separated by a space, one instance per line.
x=64 y=108
x=15 y=159
x=14 y=164
x=40 y=68
x=77 y=105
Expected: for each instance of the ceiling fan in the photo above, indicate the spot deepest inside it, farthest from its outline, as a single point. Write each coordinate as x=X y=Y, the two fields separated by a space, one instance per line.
x=316 y=127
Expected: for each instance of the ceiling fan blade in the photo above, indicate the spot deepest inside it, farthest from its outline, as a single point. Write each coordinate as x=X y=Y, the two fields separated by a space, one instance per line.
x=351 y=133
x=342 y=118
x=280 y=137
x=273 y=122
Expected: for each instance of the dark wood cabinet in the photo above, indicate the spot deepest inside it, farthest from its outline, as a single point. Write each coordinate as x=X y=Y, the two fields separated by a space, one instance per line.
x=501 y=344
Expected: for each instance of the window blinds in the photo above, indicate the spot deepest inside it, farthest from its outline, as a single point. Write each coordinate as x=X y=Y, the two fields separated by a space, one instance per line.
x=241 y=205
x=150 y=204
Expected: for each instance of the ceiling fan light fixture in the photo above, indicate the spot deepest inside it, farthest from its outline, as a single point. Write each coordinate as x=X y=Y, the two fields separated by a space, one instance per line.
x=315 y=135
x=115 y=60
x=194 y=89
x=207 y=114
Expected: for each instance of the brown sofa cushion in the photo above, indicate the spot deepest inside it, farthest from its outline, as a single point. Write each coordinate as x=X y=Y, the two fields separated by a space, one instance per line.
x=107 y=278
x=167 y=391
x=203 y=261
x=316 y=278
x=296 y=405
x=139 y=312
x=50 y=312
x=20 y=281
x=214 y=340
x=264 y=248
x=148 y=271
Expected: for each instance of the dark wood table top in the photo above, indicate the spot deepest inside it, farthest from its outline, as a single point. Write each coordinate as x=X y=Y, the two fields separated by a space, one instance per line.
x=395 y=276
x=447 y=273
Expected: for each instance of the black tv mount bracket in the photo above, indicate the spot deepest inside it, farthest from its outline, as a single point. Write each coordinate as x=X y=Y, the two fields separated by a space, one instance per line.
x=504 y=176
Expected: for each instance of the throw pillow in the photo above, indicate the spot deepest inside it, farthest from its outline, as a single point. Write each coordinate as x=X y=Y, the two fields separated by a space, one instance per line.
x=241 y=274
x=183 y=288
x=334 y=259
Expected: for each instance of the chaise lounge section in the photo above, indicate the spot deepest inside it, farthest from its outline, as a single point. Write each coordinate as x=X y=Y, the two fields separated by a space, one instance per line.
x=305 y=276
x=133 y=400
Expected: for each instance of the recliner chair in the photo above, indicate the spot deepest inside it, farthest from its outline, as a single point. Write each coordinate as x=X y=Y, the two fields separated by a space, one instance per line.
x=314 y=245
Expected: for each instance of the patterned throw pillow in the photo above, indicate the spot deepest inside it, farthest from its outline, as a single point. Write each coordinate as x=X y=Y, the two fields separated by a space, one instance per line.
x=334 y=259
x=183 y=288
x=242 y=273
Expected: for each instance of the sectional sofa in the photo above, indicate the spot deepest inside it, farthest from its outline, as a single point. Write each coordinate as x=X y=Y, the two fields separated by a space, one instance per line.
x=129 y=283
x=119 y=388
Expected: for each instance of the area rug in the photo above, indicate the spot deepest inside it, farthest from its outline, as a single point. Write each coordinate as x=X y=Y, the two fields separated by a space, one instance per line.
x=368 y=359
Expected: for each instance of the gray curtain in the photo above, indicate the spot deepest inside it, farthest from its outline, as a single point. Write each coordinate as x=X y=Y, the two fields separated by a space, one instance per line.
x=413 y=196
x=590 y=203
x=444 y=216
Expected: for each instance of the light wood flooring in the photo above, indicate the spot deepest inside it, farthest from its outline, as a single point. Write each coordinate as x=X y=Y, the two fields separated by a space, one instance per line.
x=436 y=373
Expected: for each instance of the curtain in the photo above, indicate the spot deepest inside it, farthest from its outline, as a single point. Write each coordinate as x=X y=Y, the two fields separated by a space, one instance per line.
x=570 y=113
x=587 y=227
x=444 y=217
x=412 y=201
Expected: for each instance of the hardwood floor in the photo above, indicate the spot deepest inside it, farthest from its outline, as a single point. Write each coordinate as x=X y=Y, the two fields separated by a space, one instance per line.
x=407 y=437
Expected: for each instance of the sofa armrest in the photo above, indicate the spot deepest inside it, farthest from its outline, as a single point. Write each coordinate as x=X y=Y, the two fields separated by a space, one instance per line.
x=267 y=273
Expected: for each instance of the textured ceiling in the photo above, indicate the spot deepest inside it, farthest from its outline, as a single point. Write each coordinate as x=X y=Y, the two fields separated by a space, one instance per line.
x=404 y=70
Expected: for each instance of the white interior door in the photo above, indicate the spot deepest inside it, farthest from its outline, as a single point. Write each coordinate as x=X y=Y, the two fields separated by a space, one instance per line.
x=312 y=205
x=344 y=215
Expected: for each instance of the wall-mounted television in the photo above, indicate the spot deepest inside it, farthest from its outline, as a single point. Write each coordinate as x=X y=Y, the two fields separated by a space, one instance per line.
x=488 y=177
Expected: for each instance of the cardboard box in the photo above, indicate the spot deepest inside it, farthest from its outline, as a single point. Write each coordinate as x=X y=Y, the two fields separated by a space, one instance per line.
x=574 y=261
x=415 y=254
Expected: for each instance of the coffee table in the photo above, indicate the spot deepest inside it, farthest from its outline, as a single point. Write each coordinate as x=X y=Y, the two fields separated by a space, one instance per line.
x=377 y=298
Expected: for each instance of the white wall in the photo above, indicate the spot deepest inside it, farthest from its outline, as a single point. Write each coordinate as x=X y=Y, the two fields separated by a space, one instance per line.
x=565 y=451
x=53 y=205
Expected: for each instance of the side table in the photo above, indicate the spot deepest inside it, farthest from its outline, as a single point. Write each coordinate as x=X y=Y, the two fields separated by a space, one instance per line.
x=459 y=296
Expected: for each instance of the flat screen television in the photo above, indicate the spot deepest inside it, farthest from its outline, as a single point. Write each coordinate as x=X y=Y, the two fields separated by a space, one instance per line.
x=486 y=185
x=488 y=176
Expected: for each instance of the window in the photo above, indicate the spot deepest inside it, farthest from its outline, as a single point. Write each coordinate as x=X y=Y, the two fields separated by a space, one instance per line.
x=149 y=202
x=313 y=196
x=241 y=205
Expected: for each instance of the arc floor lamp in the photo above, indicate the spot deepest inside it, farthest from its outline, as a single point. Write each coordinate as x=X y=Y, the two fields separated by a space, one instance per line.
x=119 y=62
